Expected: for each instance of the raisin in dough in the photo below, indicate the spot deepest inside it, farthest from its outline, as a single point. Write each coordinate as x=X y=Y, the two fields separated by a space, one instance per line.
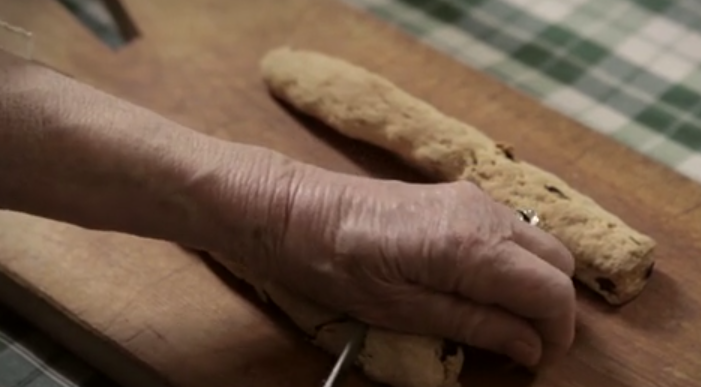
x=396 y=359
x=611 y=258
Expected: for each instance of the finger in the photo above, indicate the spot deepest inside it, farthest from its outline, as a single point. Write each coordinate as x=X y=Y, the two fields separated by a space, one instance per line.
x=526 y=286
x=515 y=279
x=544 y=245
x=539 y=242
x=562 y=329
x=485 y=327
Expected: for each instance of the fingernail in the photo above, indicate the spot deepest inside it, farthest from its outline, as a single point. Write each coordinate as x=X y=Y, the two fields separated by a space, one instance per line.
x=522 y=353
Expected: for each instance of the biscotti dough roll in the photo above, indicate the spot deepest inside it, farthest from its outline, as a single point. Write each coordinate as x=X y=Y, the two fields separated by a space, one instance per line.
x=396 y=359
x=611 y=258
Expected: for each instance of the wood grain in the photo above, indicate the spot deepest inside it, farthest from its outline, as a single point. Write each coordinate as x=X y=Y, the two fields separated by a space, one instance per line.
x=151 y=307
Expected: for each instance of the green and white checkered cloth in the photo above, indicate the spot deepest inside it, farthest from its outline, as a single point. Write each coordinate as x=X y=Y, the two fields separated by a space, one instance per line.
x=29 y=359
x=630 y=69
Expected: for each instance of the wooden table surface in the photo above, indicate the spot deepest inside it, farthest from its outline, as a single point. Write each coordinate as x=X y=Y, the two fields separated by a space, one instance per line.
x=149 y=313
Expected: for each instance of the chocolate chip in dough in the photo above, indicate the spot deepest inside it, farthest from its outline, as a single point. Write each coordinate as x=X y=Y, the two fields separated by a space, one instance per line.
x=649 y=271
x=507 y=150
x=556 y=191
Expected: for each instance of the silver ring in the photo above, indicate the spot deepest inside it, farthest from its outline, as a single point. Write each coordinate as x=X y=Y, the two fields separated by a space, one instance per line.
x=529 y=216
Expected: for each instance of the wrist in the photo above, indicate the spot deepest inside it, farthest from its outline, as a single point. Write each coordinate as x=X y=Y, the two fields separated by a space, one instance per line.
x=281 y=211
x=244 y=195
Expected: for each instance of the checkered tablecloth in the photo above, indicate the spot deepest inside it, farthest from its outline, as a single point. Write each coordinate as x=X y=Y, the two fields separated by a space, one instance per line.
x=630 y=69
x=30 y=359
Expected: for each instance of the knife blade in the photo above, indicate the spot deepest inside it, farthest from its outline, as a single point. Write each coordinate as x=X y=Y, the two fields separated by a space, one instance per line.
x=348 y=356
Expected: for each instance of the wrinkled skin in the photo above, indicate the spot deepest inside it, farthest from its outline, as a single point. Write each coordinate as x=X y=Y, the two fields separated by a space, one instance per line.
x=442 y=260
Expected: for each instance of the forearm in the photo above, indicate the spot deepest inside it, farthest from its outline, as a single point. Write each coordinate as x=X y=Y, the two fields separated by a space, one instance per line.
x=74 y=154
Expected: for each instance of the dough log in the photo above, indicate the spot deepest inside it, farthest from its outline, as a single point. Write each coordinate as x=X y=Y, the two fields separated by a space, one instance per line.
x=612 y=259
x=396 y=359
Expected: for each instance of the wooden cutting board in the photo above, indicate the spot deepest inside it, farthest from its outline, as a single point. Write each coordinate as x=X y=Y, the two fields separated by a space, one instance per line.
x=149 y=313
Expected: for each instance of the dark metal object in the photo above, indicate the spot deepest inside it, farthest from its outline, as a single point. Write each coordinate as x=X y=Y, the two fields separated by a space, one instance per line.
x=108 y=20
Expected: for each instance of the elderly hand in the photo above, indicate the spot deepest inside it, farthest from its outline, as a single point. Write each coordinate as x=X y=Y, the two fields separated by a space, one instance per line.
x=443 y=260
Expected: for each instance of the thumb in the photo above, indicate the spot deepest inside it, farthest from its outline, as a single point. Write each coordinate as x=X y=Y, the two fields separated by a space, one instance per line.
x=486 y=327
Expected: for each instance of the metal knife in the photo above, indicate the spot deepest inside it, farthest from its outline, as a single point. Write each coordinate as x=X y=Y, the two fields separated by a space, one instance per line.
x=348 y=356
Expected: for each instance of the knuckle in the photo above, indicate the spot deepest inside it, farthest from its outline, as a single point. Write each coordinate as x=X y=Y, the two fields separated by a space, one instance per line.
x=556 y=249
x=549 y=295
x=561 y=293
x=556 y=245
x=568 y=260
